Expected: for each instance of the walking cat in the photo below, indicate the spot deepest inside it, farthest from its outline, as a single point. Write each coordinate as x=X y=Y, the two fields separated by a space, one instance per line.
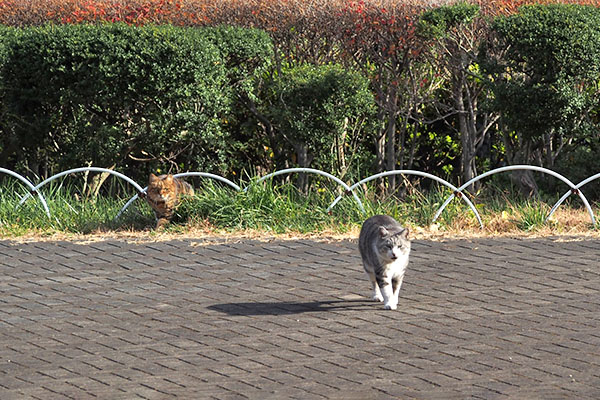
x=164 y=194
x=384 y=248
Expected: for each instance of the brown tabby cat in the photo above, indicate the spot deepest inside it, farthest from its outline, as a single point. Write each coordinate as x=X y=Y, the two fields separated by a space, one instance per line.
x=164 y=194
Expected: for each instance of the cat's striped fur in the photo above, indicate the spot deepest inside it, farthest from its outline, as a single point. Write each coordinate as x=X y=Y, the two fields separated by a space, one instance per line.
x=164 y=194
x=384 y=248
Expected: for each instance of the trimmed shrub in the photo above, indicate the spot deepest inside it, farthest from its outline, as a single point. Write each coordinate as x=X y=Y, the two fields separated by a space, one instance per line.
x=116 y=95
x=323 y=115
x=248 y=53
x=546 y=77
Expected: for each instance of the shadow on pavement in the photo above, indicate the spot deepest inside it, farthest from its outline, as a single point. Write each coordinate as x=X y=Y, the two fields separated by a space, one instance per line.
x=287 y=308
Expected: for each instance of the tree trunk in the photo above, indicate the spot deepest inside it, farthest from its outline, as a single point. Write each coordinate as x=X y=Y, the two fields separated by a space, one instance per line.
x=467 y=133
x=304 y=161
x=340 y=152
x=390 y=150
x=520 y=153
x=279 y=156
x=390 y=133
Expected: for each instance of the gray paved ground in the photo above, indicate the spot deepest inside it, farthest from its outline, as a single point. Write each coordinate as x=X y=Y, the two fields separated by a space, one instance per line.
x=290 y=319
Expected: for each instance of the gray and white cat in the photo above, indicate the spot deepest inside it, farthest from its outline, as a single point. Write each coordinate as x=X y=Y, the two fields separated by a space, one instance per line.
x=384 y=247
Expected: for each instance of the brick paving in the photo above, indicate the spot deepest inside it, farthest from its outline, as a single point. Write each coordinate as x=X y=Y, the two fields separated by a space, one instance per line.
x=194 y=319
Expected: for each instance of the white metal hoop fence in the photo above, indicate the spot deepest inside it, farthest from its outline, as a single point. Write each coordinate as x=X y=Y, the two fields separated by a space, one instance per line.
x=348 y=190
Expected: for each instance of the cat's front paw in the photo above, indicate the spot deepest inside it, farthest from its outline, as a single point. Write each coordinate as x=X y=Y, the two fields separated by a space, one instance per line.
x=390 y=306
x=161 y=223
x=377 y=297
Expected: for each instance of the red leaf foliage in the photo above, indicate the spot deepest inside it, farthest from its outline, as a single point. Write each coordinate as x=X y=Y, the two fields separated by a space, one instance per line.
x=267 y=14
x=304 y=28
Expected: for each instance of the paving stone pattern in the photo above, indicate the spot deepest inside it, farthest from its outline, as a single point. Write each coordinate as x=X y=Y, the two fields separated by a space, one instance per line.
x=218 y=319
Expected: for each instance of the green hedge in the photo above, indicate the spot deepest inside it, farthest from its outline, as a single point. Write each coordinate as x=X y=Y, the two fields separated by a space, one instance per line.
x=323 y=116
x=139 y=98
x=149 y=98
x=546 y=78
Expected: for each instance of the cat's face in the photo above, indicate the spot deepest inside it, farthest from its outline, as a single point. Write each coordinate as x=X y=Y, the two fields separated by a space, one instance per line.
x=160 y=190
x=393 y=246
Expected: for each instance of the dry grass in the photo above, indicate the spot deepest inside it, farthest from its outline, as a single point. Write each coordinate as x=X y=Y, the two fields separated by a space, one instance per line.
x=566 y=224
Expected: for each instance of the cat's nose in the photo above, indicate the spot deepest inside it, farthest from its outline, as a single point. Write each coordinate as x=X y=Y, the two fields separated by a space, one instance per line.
x=394 y=257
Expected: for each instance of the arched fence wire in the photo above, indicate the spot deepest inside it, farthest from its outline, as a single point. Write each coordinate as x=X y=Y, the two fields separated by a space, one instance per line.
x=337 y=180
x=32 y=188
x=75 y=170
x=348 y=190
x=574 y=188
x=410 y=172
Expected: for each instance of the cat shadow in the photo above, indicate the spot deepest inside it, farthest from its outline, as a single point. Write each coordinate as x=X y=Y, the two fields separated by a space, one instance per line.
x=290 y=308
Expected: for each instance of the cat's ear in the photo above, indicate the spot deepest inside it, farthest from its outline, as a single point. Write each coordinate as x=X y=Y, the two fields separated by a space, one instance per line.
x=169 y=179
x=404 y=233
x=153 y=178
x=383 y=232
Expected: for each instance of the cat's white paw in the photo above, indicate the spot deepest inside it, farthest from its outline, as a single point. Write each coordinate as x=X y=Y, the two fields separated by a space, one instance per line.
x=378 y=297
x=390 y=306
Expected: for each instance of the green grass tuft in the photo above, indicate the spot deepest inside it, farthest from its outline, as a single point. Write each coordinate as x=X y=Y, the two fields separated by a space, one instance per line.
x=267 y=207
